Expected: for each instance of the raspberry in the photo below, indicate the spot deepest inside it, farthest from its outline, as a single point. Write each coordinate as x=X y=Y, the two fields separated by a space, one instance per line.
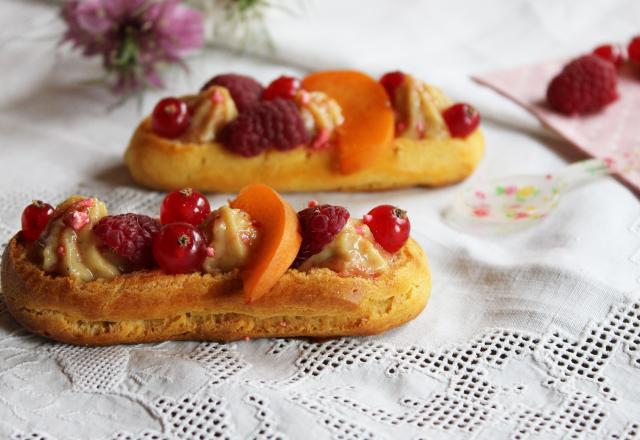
x=244 y=90
x=276 y=123
x=585 y=85
x=319 y=225
x=129 y=236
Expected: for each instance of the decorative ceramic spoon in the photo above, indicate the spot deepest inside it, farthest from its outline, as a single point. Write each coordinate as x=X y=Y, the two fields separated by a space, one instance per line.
x=509 y=203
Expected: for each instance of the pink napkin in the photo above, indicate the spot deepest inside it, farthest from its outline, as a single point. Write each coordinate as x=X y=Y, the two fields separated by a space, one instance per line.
x=613 y=134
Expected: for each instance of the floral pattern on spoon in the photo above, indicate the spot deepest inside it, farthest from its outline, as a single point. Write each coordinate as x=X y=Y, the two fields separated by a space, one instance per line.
x=513 y=202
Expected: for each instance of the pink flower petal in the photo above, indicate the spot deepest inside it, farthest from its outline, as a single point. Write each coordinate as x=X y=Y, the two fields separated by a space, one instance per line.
x=179 y=29
x=161 y=31
x=92 y=17
x=153 y=79
x=118 y=9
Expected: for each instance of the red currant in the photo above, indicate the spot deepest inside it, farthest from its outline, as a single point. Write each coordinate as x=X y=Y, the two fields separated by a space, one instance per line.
x=389 y=225
x=461 y=119
x=284 y=87
x=179 y=248
x=185 y=205
x=633 y=50
x=170 y=117
x=35 y=219
x=391 y=81
x=611 y=53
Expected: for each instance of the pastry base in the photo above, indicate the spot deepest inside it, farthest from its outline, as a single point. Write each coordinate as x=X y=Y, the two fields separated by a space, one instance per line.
x=165 y=164
x=151 y=306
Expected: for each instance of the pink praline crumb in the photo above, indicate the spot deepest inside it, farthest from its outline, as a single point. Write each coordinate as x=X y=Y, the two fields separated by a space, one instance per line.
x=77 y=220
x=304 y=97
x=217 y=97
x=400 y=126
x=84 y=204
x=321 y=139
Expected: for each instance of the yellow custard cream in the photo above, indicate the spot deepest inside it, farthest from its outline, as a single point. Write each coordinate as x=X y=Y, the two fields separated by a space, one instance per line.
x=231 y=236
x=419 y=109
x=353 y=252
x=212 y=110
x=70 y=247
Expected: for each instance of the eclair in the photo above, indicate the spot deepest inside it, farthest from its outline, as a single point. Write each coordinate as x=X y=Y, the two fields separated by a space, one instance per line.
x=252 y=268
x=334 y=130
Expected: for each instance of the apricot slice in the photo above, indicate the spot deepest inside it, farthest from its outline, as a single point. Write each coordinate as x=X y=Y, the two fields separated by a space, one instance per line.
x=279 y=240
x=368 y=118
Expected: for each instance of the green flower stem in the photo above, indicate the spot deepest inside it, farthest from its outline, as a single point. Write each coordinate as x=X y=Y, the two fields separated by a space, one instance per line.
x=127 y=56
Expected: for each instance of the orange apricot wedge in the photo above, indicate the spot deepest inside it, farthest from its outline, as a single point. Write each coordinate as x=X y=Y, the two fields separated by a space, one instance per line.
x=368 y=126
x=279 y=240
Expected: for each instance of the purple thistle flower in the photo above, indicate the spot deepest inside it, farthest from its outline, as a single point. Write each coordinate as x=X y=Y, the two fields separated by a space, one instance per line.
x=133 y=37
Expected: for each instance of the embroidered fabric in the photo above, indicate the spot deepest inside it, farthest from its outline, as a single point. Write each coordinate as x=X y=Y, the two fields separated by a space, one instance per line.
x=507 y=349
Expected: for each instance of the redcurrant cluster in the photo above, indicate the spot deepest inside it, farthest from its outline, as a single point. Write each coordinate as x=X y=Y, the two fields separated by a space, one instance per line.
x=615 y=54
x=179 y=247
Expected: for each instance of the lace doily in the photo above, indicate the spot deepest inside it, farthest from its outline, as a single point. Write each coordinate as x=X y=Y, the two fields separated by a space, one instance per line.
x=544 y=375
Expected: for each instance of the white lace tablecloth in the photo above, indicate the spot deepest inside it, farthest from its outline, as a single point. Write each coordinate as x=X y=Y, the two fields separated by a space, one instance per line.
x=532 y=335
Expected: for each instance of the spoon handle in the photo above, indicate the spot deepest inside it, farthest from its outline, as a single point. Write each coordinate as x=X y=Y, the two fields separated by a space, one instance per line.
x=582 y=171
